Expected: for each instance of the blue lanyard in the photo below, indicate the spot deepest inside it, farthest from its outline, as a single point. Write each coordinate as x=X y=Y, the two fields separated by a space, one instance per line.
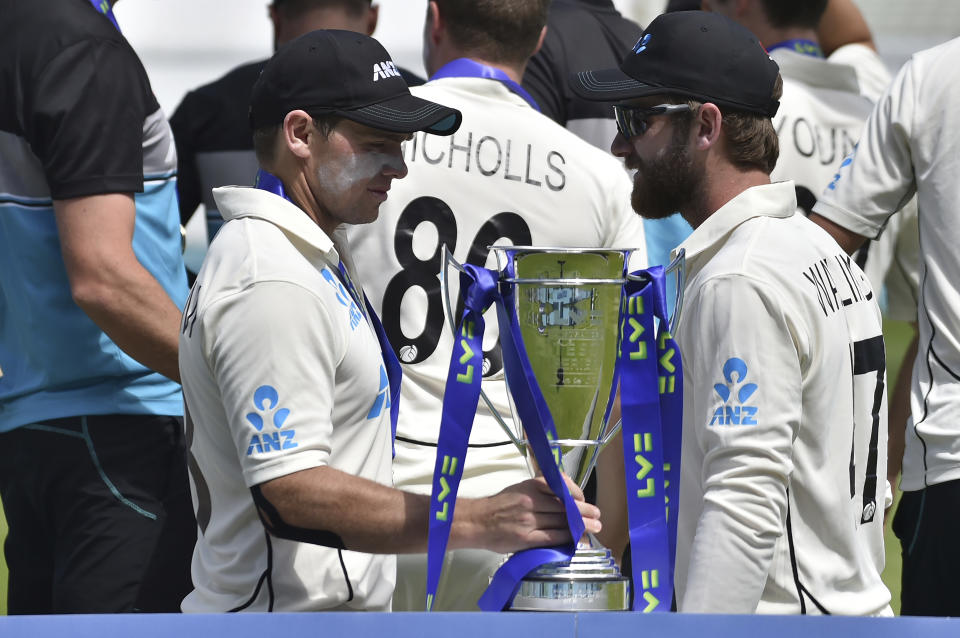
x=799 y=45
x=467 y=68
x=103 y=7
x=272 y=184
x=651 y=399
x=479 y=289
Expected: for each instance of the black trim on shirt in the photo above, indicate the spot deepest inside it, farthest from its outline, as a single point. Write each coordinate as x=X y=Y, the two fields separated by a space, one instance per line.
x=346 y=576
x=274 y=524
x=794 y=566
x=474 y=445
x=926 y=358
x=266 y=576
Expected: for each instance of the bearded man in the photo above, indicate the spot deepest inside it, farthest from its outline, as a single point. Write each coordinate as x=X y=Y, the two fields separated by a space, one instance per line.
x=783 y=357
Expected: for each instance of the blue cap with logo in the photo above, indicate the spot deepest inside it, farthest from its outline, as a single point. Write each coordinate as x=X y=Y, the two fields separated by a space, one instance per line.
x=695 y=54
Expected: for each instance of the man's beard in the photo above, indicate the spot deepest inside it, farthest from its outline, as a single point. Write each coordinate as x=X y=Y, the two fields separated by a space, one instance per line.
x=668 y=184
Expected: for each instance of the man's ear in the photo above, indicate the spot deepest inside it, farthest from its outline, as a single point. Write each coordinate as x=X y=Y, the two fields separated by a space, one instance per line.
x=372 y=17
x=434 y=23
x=297 y=129
x=543 y=35
x=707 y=123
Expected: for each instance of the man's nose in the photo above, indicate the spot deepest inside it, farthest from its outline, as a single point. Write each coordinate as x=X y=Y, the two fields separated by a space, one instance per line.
x=395 y=167
x=620 y=146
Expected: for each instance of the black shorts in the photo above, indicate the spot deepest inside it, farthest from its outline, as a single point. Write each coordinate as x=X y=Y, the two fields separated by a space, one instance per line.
x=928 y=527
x=99 y=515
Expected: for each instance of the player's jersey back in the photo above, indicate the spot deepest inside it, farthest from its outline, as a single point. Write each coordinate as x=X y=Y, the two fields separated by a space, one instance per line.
x=508 y=176
x=821 y=114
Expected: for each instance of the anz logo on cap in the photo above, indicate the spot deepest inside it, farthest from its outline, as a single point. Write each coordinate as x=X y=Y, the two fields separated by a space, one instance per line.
x=641 y=44
x=385 y=70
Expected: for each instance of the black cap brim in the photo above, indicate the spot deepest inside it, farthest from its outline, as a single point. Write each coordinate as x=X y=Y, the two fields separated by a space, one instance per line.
x=407 y=114
x=611 y=85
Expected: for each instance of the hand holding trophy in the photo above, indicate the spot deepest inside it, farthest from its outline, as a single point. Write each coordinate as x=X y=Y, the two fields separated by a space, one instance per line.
x=574 y=326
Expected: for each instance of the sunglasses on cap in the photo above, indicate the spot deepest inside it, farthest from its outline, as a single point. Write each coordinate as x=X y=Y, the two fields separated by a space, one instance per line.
x=632 y=121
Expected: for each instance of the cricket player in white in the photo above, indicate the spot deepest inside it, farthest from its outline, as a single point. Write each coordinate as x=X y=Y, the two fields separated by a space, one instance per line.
x=509 y=175
x=825 y=100
x=909 y=146
x=784 y=413
x=287 y=395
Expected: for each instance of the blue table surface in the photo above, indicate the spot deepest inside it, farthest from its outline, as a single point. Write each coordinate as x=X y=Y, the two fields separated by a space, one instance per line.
x=470 y=625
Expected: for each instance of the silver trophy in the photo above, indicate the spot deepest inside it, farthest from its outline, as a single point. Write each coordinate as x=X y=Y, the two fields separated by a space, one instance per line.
x=568 y=303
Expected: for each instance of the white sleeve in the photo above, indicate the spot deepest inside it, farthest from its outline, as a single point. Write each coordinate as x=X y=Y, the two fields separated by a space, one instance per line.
x=744 y=357
x=877 y=179
x=273 y=352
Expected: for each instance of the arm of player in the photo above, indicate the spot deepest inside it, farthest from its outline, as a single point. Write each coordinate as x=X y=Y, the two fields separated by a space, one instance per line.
x=743 y=357
x=877 y=179
x=899 y=415
x=109 y=283
x=287 y=344
x=376 y=519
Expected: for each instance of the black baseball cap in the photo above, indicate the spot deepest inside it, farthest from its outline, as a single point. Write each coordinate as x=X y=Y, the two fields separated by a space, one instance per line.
x=696 y=54
x=346 y=74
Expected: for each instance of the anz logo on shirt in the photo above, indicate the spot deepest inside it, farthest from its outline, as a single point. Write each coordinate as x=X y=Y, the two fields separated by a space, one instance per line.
x=344 y=298
x=735 y=394
x=266 y=400
x=383 y=396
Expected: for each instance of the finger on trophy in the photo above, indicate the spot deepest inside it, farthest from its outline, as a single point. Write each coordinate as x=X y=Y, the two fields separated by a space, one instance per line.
x=575 y=490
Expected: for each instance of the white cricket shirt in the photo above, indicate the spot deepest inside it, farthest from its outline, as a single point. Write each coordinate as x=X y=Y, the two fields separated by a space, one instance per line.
x=784 y=418
x=281 y=373
x=909 y=145
x=509 y=176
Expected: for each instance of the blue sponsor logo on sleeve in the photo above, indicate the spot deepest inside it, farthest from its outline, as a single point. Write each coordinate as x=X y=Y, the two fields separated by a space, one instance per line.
x=266 y=400
x=735 y=393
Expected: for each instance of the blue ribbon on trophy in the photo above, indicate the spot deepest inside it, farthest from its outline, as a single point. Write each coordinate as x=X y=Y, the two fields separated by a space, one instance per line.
x=478 y=287
x=651 y=400
x=651 y=388
x=271 y=183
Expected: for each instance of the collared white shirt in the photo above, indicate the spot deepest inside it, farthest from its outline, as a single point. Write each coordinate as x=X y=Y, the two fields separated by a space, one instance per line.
x=909 y=146
x=281 y=373
x=777 y=429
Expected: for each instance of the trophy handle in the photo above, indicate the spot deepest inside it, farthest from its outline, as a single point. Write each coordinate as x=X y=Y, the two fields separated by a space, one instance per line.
x=678 y=265
x=447 y=260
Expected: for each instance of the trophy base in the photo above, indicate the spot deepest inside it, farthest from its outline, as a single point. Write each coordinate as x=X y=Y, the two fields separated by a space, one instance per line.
x=590 y=581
